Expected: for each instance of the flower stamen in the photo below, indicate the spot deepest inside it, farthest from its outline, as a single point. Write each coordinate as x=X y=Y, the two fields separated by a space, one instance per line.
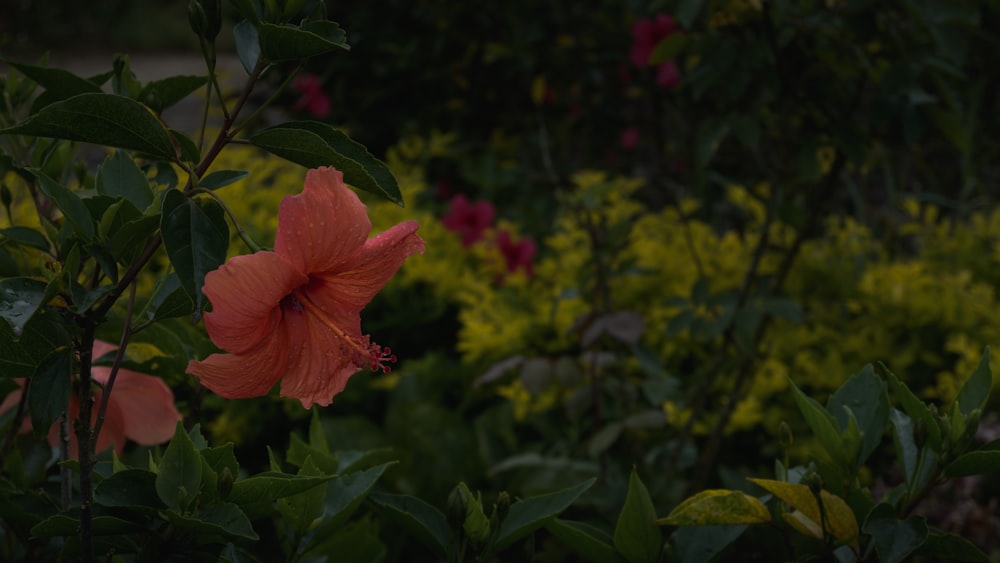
x=365 y=352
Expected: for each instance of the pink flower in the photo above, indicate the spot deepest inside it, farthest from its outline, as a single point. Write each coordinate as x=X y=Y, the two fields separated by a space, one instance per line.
x=313 y=99
x=630 y=138
x=646 y=35
x=517 y=255
x=141 y=408
x=294 y=314
x=469 y=220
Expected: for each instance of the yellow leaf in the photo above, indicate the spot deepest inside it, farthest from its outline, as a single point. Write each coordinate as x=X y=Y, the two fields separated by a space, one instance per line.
x=839 y=518
x=716 y=507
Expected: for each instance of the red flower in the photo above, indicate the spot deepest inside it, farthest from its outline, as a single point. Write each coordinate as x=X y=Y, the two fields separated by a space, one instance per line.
x=141 y=408
x=646 y=35
x=517 y=255
x=630 y=138
x=313 y=99
x=469 y=220
x=294 y=314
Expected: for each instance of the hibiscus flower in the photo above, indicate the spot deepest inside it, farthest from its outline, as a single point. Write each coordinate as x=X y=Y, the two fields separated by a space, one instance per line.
x=293 y=314
x=469 y=219
x=141 y=408
x=313 y=99
x=517 y=255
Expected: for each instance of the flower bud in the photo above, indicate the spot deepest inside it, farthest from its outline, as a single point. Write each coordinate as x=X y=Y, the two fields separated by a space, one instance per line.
x=503 y=506
x=785 y=437
x=213 y=16
x=456 y=508
x=197 y=17
x=225 y=483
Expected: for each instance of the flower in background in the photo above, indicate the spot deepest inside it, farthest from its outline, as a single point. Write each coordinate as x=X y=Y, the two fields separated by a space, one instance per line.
x=312 y=99
x=141 y=408
x=470 y=220
x=519 y=255
x=294 y=313
x=630 y=138
x=646 y=35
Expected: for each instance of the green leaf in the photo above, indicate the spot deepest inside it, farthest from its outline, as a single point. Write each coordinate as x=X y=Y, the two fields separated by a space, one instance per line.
x=696 y=544
x=270 y=486
x=528 y=515
x=59 y=84
x=344 y=494
x=69 y=203
x=221 y=178
x=313 y=144
x=21 y=354
x=196 y=240
x=27 y=237
x=894 y=539
x=636 y=535
x=247 y=45
x=823 y=425
x=940 y=546
x=717 y=507
x=102 y=119
x=119 y=176
x=170 y=300
x=302 y=509
x=423 y=521
x=355 y=542
x=289 y=42
x=982 y=461
x=585 y=540
x=131 y=488
x=50 y=388
x=475 y=525
x=299 y=451
x=976 y=389
x=923 y=419
x=187 y=148
x=222 y=518
x=179 y=476
x=222 y=457
x=20 y=298
x=835 y=518
x=64 y=525
x=161 y=94
x=906 y=449
x=866 y=397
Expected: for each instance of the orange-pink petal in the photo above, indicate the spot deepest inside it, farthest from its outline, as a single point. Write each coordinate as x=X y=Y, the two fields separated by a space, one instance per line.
x=240 y=376
x=246 y=295
x=365 y=273
x=146 y=407
x=322 y=226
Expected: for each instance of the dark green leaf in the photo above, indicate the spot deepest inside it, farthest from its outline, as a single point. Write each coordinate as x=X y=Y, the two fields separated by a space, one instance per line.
x=345 y=494
x=179 y=476
x=697 y=544
x=221 y=178
x=636 y=536
x=423 y=521
x=129 y=239
x=923 y=419
x=49 y=390
x=357 y=541
x=298 y=451
x=823 y=425
x=247 y=9
x=247 y=45
x=70 y=204
x=26 y=236
x=300 y=510
x=222 y=457
x=102 y=119
x=59 y=84
x=131 y=488
x=864 y=395
x=313 y=144
x=976 y=389
x=19 y=299
x=188 y=149
x=906 y=449
x=119 y=176
x=940 y=546
x=161 y=94
x=21 y=354
x=64 y=525
x=270 y=486
x=221 y=518
x=981 y=461
x=894 y=539
x=196 y=239
x=288 y=42
x=585 y=540
x=532 y=513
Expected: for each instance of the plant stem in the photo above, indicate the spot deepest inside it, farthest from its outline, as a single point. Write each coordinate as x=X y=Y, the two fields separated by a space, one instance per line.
x=85 y=442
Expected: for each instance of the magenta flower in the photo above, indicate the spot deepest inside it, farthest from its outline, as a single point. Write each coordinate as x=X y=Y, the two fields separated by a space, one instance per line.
x=313 y=99
x=630 y=138
x=469 y=220
x=519 y=255
x=646 y=35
